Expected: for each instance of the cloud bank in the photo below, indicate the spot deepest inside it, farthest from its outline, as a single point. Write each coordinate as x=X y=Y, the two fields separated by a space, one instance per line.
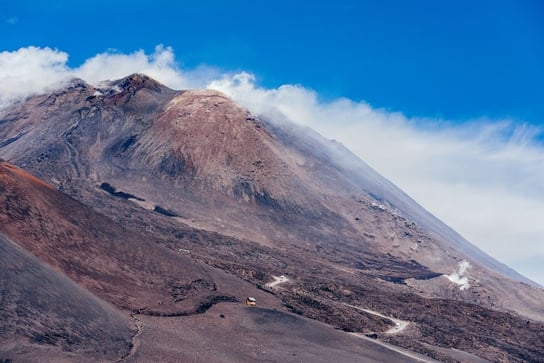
x=484 y=178
x=33 y=70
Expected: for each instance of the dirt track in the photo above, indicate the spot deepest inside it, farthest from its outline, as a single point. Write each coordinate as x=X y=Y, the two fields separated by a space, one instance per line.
x=277 y=280
x=400 y=325
x=136 y=342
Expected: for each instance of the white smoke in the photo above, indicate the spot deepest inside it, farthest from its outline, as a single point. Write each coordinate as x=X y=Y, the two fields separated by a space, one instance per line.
x=460 y=277
x=484 y=178
x=30 y=70
x=160 y=65
x=33 y=70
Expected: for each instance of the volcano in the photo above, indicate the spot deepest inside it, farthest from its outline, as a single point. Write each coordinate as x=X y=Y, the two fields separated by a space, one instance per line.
x=172 y=206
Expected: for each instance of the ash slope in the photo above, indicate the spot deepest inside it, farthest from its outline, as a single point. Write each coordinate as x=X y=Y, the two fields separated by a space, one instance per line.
x=197 y=156
x=195 y=171
x=43 y=312
x=118 y=265
x=257 y=334
x=45 y=316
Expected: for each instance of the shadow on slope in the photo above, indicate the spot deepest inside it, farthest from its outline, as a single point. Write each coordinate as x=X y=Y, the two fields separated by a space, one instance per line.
x=40 y=306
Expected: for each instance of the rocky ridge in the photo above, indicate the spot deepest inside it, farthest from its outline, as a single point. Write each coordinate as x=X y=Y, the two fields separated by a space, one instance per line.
x=192 y=171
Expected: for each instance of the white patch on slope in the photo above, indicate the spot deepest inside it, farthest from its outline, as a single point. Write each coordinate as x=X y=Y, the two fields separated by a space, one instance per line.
x=460 y=277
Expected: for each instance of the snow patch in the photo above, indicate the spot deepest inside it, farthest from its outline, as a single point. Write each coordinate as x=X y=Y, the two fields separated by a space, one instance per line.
x=460 y=277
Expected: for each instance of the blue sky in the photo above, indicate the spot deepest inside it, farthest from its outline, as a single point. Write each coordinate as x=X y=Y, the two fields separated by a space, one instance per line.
x=444 y=98
x=448 y=59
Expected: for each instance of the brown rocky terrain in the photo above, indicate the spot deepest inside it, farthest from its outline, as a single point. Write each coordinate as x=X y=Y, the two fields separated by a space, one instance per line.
x=157 y=295
x=196 y=201
x=115 y=264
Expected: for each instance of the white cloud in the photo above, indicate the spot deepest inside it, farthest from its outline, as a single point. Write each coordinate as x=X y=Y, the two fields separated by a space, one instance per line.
x=484 y=178
x=30 y=70
x=34 y=70
x=112 y=65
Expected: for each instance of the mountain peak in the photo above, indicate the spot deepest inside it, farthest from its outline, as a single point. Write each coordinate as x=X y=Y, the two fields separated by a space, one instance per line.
x=132 y=84
x=135 y=79
x=210 y=183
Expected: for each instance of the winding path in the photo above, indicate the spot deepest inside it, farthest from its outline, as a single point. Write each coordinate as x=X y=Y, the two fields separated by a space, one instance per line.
x=400 y=325
x=277 y=280
x=70 y=149
x=135 y=339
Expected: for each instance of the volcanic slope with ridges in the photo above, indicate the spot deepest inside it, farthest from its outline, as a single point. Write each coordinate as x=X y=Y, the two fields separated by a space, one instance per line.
x=259 y=197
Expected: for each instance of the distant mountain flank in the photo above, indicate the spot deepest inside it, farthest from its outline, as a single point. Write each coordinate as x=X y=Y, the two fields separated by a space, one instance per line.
x=171 y=204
